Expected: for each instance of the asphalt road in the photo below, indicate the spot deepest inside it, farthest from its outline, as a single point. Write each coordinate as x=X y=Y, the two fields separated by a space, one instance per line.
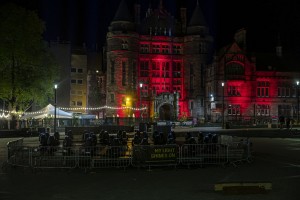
x=276 y=160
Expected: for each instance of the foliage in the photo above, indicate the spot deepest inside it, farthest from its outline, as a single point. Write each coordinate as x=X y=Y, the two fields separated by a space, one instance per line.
x=183 y=118
x=27 y=69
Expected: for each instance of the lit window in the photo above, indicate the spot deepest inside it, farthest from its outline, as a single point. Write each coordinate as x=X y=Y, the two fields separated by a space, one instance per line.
x=263 y=110
x=234 y=110
x=155 y=48
x=112 y=72
x=263 y=89
x=124 y=44
x=177 y=49
x=191 y=105
x=112 y=98
x=233 y=91
x=283 y=92
x=165 y=49
x=124 y=74
x=144 y=48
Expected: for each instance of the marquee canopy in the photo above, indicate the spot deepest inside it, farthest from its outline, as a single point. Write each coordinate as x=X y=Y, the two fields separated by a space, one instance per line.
x=48 y=111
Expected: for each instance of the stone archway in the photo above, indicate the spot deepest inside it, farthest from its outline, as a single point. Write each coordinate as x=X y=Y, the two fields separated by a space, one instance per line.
x=165 y=106
x=166 y=112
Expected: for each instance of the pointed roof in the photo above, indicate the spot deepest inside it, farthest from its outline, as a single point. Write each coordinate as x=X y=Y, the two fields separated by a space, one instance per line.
x=161 y=5
x=197 y=17
x=122 y=13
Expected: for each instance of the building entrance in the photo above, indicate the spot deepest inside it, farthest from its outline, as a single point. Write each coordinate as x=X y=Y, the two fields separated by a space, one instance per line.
x=165 y=106
x=165 y=112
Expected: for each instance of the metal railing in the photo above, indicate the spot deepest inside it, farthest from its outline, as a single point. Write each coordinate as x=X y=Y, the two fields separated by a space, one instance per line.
x=123 y=156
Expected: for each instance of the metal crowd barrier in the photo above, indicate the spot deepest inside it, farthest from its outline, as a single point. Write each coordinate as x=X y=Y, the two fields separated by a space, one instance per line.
x=111 y=157
x=53 y=157
x=17 y=154
x=203 y=154
x=240 y=152
x=3 y=158
x=13 y=146
x=123 y=156
x=21 y=158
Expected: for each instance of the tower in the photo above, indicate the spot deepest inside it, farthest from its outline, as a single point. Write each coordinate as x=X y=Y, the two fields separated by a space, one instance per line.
x=122 y=48
x=198 y=43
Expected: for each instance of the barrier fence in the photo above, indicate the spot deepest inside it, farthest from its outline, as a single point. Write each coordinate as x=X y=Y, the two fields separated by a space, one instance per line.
x=200 y=154
x=93 y=157
x=155 y=155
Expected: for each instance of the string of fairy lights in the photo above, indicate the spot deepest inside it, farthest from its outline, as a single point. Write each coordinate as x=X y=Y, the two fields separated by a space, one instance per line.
x=6 y=113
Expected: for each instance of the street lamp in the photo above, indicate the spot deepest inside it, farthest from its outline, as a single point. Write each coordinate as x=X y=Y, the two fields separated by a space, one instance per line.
x=55 y=88
x=211 y=106
x=297 y=102
x=223 y=109
x=128 y=104
x=141 y=86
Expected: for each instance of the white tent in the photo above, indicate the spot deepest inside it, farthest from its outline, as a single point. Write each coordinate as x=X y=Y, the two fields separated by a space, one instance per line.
x=48 y=111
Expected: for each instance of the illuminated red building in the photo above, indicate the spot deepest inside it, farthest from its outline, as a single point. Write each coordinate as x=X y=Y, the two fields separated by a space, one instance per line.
x=164 y=64
x=158 y=62
x=249 y=95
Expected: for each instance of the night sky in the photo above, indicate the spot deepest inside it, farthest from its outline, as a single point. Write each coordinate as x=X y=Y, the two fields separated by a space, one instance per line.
x=87 y=21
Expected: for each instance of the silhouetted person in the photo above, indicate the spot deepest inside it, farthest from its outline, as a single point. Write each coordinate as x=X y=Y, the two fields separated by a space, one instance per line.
x=288 y=121
x=171 y=139
x=200 y=138
x=281 y=121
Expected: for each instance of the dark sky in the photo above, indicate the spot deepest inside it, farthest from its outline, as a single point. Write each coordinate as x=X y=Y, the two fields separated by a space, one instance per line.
x=87 y=20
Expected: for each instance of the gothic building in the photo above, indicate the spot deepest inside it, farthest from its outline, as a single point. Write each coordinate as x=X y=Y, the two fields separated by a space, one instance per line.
x=157 y=61
x=243 y=93
x=162 y=63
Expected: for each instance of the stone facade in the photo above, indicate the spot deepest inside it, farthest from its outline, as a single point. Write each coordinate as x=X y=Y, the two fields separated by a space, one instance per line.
x=168 y=56
x=172 y=60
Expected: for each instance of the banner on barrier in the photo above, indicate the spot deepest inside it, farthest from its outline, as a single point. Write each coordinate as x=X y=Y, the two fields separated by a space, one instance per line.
x=163 y=153
x=156 y=153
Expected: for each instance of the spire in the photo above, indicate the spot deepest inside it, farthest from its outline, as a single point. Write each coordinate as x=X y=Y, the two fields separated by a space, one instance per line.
x=149 y=10
x=240 y=38
x=278 y=47
x=197 y=17
x=137 y=13
x=122 y=13
x=160 y=5
x=123 y=21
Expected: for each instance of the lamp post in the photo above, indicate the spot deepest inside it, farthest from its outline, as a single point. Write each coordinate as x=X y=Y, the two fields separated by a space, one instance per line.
x=223 y=109
x=211 y=106
x=55 y=88
x=297 y=102
x=141 y=86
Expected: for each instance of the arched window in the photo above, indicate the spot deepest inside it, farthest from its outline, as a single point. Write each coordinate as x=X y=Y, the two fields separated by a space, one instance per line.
x=234 y=69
